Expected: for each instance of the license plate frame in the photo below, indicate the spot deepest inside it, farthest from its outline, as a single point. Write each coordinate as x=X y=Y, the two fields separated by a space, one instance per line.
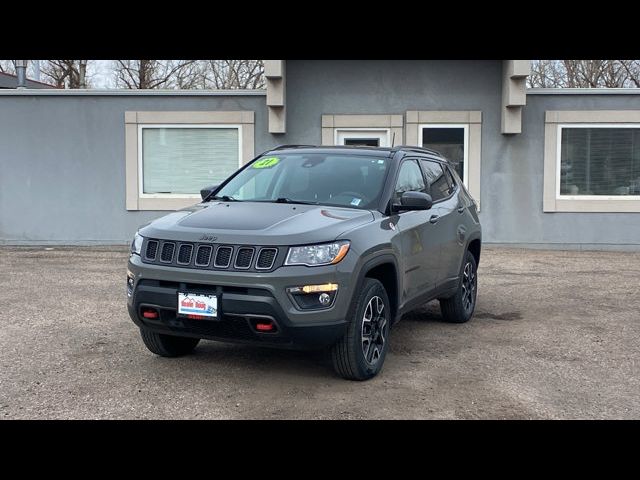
x=205 y=305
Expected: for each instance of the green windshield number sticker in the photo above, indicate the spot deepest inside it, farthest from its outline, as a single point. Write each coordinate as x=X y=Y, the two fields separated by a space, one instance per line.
x=266 y=162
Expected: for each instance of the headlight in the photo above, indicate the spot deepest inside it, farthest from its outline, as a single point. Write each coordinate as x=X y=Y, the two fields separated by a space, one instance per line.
x=136 y=245
x=316 y=255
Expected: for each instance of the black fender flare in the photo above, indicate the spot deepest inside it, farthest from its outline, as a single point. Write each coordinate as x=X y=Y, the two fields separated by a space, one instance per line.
x=366 y=267
x=474 y=236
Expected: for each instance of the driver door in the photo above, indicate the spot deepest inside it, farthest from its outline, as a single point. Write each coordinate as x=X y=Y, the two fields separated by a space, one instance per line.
x=417 y=240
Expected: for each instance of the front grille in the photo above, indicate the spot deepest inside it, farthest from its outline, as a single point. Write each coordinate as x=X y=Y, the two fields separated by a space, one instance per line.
x=184 y=254
x=223 y=257
x=244 y=257
x=266 y=257
x=211 y=256
x=203 y=257
x=152 y=249
x=166 y=255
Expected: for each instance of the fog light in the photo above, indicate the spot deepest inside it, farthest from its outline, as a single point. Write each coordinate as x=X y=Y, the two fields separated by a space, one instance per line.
x=130 y=283
x=325 y=299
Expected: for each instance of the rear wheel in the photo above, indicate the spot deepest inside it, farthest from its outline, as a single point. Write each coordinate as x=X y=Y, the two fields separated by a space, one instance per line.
x=167 y=345
x=459 y=308
x=359 y=355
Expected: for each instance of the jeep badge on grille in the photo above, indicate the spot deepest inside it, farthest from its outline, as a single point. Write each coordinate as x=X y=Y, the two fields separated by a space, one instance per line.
x=208 y=238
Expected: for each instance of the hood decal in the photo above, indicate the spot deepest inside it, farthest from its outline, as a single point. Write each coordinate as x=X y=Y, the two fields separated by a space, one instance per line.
x=327 y=213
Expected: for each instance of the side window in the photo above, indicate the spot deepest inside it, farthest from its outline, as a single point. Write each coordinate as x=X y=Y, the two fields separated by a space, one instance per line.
x=436 y=179
x=452 y=182
x=409 y=179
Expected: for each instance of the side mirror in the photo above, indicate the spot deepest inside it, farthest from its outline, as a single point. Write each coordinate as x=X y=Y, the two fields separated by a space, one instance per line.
x=414 y=201
x=206 y=191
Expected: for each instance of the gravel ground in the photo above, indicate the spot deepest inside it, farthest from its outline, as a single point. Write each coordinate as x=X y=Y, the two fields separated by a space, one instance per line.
x=555 y=335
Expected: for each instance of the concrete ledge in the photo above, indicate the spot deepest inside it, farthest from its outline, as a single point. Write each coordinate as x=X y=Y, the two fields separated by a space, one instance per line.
x=66 y=243
x=583 y=91
x=125 y=93
x=592 y=116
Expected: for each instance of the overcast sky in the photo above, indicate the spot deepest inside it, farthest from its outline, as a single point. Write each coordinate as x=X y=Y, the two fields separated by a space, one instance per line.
x=102 y=76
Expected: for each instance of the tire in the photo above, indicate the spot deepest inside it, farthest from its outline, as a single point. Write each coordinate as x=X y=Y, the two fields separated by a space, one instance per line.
x=370 y=315
x=459 y=308
x=168 y=345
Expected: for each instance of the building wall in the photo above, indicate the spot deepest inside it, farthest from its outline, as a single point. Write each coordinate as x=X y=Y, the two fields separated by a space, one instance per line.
x=62 y=157
x=514 y=184
x=512 y=165
x=318 y=87
x=62 y=163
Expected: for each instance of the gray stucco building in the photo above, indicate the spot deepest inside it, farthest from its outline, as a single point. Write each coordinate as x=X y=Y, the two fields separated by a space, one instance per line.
x=551 y=168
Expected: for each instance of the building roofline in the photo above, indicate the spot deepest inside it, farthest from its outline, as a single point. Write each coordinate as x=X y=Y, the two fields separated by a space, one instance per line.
x=28 y=80
x=583 y=91
x=123 y=92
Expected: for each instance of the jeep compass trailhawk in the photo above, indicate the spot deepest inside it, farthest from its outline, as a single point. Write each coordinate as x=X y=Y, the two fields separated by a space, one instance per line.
x=310 y=247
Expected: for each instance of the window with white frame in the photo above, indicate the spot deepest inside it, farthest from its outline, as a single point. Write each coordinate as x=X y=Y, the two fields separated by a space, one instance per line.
x=452 y=141
x=598 y=160
x=177 y=160
x=171 y=155
x=457 y=134
x=592 y=161
x=373 y=130
x=371 y=137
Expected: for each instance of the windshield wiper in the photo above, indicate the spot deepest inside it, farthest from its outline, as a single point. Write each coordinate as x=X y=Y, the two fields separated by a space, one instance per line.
x=290 y=200
x=225 y=198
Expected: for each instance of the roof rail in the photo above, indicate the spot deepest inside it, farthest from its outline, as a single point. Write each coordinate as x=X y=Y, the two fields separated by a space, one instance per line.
x=413 y=148
x=281 y=147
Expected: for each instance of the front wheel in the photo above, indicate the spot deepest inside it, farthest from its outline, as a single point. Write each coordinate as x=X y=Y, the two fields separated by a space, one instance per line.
x=167 y=345
x=359 y=355
x=459 y=308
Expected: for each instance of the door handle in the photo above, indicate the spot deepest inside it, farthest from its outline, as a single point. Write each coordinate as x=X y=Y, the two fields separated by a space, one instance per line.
x=434 y=219
x=460 y=209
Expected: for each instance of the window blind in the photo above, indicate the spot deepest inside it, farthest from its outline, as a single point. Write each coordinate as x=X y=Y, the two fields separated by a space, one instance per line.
x=600 y=161
x=183 y=160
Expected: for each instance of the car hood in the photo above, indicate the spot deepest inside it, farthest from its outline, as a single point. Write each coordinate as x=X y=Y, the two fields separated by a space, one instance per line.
x=257 y=223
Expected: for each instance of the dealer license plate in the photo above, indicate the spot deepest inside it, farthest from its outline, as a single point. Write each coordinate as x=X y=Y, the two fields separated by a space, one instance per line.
x=197 y=304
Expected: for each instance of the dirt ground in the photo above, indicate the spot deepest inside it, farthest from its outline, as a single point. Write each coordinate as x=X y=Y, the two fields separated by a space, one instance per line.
x=555 y=335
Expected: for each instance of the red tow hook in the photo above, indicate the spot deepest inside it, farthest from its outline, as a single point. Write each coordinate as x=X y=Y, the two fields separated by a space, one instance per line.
x=150 y=313
x=265 y=327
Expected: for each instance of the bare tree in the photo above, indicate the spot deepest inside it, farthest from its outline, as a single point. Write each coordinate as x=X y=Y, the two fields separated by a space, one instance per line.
x=8 y=66
x=190 y=76
x=546 y=74
x=66 y=73
x=585 y=73
x=234 y=74
x=632 y=70
x=148 y=74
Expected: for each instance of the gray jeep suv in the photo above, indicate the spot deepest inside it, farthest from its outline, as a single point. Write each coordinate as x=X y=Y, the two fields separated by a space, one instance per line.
x=309 y=247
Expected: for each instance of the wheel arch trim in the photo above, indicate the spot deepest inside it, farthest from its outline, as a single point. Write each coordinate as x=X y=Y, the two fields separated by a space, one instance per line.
x=367 y=266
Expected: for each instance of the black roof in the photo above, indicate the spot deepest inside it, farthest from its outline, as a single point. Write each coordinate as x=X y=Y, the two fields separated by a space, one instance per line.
x=378 y=151
x=11 y=81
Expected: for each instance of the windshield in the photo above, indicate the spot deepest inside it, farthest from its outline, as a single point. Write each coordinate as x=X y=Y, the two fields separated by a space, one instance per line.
x=352 y=181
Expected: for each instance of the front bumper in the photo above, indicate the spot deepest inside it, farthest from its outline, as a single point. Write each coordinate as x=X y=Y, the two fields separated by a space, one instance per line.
x=242 y=299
